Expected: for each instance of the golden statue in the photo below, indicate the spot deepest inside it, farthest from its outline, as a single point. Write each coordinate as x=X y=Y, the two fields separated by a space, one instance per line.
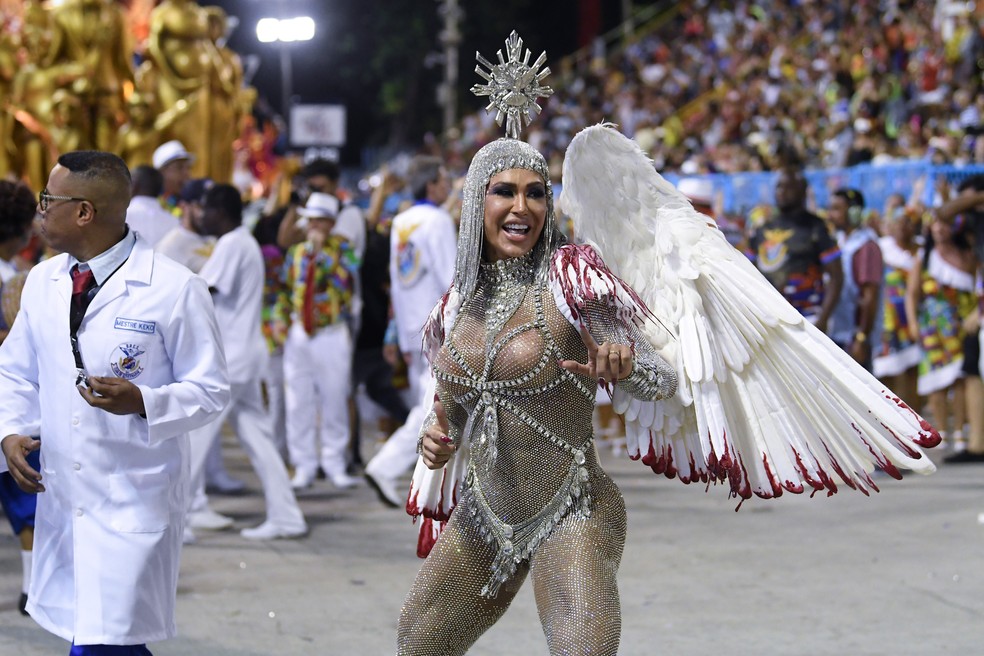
x=8 y=68
x=35 y=27
x=226 y=85
x=66 y=121
x=33 y=107
x=92 y=32
x=142 y=134
x=181 y=54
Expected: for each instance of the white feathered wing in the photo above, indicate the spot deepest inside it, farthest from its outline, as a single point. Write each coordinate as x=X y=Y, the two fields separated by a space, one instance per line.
x=765 y=400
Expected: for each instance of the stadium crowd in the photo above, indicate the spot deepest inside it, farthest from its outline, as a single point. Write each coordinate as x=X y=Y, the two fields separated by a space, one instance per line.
x=732 y=87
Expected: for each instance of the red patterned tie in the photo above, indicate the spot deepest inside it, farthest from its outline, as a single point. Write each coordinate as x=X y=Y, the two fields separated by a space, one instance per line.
x=82 y=282
x=307 y=310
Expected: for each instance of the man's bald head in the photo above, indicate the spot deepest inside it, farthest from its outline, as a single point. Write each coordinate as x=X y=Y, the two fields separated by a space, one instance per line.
x=103 y=179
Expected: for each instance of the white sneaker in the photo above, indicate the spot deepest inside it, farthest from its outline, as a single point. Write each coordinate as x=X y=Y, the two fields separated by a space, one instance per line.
x=209 y=520
x=188 y=537
x=270 y=531
x=303 y=478
x=385 y=488
x=343 y=481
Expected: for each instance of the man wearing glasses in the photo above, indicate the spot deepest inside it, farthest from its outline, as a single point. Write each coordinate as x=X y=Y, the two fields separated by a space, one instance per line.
x=114 y=357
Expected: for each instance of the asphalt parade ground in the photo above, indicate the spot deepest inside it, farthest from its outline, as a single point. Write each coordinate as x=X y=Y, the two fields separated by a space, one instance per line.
x=901 y=572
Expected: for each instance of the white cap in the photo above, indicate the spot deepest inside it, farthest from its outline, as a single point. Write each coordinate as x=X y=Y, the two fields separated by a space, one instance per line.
x=170 y=152
x=320 y=206
x=697 y=190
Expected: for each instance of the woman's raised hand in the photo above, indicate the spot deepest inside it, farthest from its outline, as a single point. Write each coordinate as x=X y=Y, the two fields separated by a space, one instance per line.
x=606 y=362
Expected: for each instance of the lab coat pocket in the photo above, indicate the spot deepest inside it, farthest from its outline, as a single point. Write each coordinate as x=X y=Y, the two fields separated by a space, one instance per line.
x=139 y=502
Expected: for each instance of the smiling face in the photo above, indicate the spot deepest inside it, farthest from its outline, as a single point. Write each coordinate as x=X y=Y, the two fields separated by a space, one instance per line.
x=515 y=211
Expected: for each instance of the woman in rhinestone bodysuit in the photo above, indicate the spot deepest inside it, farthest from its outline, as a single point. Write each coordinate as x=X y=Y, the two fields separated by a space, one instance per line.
x=517 y=347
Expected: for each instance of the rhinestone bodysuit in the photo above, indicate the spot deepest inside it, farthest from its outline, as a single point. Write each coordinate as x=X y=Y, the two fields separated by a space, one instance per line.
x=535 y=498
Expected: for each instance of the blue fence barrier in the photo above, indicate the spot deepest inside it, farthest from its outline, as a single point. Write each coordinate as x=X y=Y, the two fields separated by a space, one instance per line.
x=743 y=191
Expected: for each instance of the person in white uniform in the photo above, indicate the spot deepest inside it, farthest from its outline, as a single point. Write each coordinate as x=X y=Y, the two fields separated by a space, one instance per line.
x=145 y=213
x=184 y=245
x=114 y=357
x=234 y=274
x=174 y=162
x=423 y=247
x=315 y=310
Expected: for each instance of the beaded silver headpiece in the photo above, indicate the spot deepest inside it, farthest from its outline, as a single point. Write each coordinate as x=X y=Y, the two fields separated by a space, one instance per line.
x=513 y=86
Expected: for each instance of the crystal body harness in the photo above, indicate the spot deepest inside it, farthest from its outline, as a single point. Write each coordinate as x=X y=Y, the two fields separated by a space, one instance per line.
x=526 y=419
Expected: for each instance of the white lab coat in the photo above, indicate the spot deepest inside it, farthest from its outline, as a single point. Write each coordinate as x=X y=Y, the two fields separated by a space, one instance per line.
x=109 y=525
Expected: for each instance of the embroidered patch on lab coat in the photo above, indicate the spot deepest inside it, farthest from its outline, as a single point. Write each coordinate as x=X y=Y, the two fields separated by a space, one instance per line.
x=136 y=325
x=408 y=266
x=126 y=361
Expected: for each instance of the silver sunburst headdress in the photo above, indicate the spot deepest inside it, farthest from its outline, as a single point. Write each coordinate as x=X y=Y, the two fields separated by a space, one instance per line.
x=513 y=86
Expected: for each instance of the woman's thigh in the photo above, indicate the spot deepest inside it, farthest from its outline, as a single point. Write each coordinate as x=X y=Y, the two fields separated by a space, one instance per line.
x=444 y=612
x=574 y=581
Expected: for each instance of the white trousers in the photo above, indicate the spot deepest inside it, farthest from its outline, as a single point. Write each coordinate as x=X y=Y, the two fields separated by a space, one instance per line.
x=214 y=464
x=317 y=380
x=399 y=452
x=251 y=422
x=273 y=381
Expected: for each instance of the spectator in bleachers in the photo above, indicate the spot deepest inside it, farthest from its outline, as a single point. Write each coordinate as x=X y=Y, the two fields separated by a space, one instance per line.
x=897 y=354
x=724 y=84
x=856 y=320
x=795 y=252
x=968 y=209
x=939 y=296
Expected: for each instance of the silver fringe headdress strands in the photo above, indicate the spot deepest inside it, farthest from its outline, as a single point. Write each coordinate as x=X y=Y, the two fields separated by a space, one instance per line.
x=514 y=87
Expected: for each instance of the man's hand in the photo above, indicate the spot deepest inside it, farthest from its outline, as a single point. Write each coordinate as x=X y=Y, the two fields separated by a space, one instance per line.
x=607 y=362
x=116 y=395
x=436 y=447
x=15 y=450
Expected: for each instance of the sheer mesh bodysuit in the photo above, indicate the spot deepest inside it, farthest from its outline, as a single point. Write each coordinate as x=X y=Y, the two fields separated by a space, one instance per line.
x=535 y=500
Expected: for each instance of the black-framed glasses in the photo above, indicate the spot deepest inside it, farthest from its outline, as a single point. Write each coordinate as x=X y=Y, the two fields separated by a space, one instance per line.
x=44 y=199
